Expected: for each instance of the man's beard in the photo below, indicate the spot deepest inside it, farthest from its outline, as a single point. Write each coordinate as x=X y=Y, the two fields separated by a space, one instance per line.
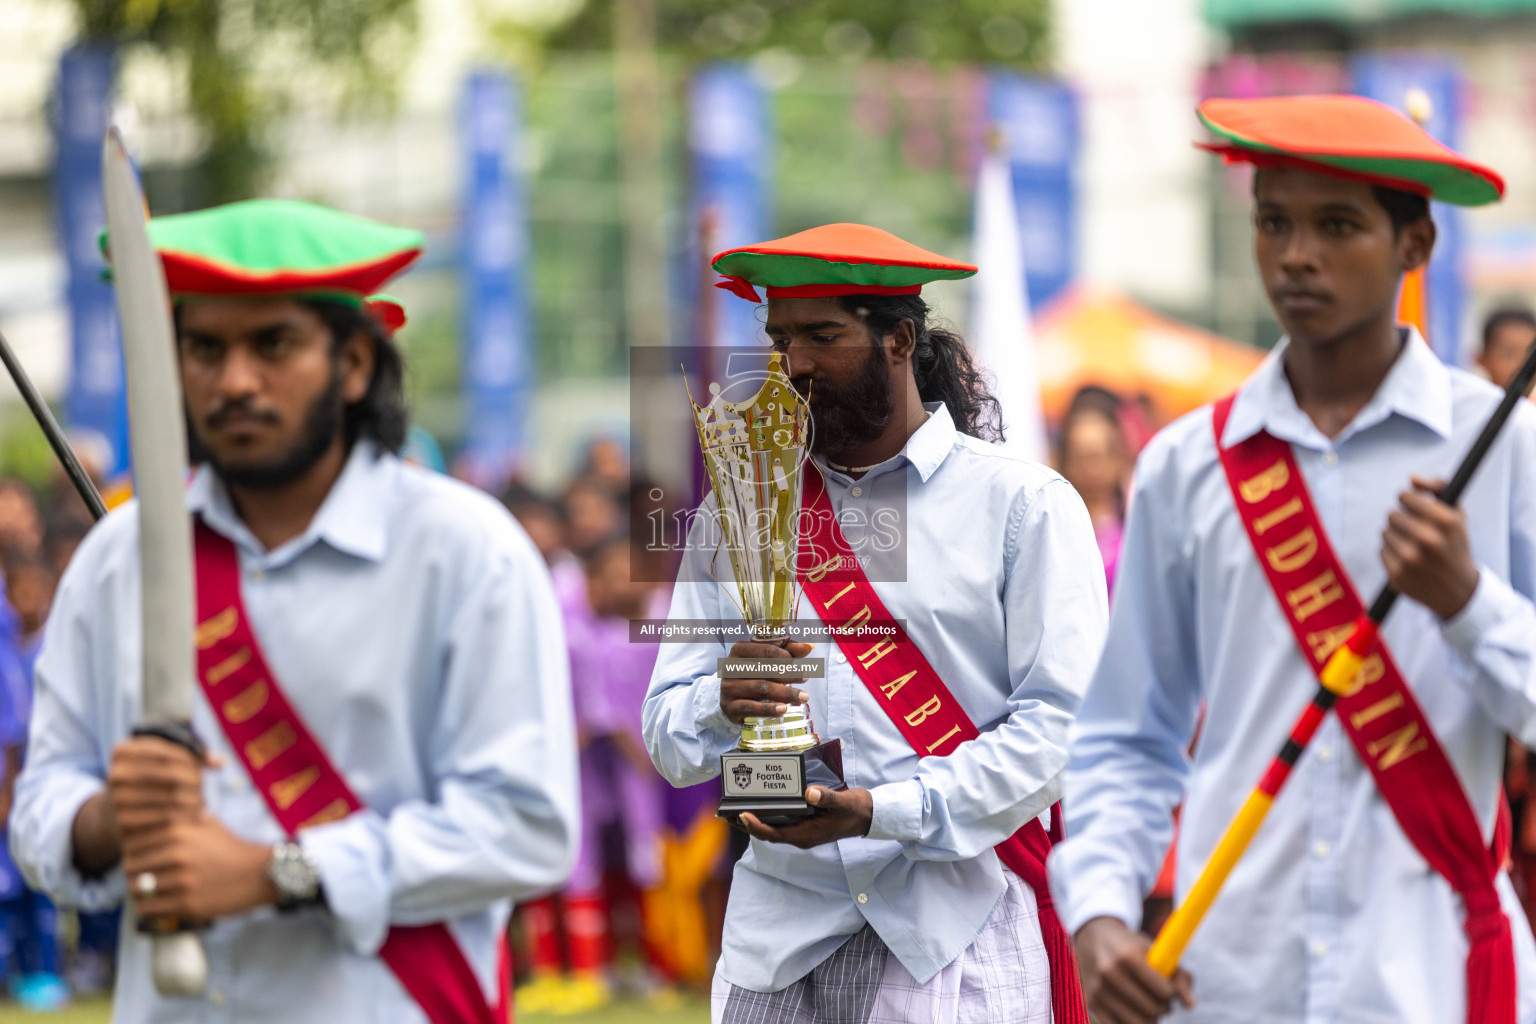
x=847 y=416
x=321 y=421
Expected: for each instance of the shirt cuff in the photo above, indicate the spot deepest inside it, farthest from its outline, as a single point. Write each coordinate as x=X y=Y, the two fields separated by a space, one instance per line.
x=898 y=811
x=45 y=849
x=1091 y=897
x=707 y=714
x=1492 y=602
x=353 y=858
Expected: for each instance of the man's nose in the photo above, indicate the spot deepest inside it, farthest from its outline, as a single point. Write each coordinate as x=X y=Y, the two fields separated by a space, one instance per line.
x=1300 y=252
x=239 y=374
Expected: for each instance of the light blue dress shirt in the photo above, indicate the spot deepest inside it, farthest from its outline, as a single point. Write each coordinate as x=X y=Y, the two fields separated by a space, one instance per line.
x=413 y=628
x=1331 y=915
x=1002 y=589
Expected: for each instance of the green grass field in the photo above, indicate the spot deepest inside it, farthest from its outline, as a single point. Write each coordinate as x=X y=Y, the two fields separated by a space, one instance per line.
x=693 y=1011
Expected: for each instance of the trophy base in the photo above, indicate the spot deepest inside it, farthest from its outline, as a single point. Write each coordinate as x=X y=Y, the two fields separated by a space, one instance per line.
x=771 y=784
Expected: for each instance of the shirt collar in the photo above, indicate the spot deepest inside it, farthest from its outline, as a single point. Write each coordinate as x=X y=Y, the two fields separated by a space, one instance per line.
x=1417 y=388
x=925 y=449
x=352 y=519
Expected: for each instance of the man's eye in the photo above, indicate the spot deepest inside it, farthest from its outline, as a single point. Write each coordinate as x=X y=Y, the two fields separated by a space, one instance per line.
x=823 y=339
x=202 y=348
x=274 y=347
x=1336 y=227
x=779 y=344
x=1271 y=225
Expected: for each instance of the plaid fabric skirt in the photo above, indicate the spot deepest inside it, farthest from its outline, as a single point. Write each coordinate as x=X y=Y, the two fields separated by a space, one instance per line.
x=1001 y=978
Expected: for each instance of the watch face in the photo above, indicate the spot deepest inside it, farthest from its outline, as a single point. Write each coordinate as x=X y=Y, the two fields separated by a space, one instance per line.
x=293 y=873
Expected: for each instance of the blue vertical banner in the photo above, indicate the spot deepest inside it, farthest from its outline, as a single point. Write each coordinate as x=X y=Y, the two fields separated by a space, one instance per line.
x=97 y=397
x=1392 y=78
x=728 y=146
x=498 y=360
x=1037 y=121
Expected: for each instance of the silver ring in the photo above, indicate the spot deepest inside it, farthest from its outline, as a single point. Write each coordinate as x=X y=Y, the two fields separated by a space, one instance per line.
x=144 y=883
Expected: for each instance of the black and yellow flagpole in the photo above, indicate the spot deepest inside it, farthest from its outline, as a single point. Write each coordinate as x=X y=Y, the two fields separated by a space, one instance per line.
x=1335 y=680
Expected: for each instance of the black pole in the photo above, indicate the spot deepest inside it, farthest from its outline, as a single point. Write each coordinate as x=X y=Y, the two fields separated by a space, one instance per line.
x=52 y=431
x=1513 y=393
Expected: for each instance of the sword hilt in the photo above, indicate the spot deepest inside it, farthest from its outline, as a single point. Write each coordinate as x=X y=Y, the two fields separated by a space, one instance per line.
x=178 y=962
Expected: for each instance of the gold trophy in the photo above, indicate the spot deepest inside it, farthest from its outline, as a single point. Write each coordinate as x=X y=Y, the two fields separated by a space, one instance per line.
x=754 y=451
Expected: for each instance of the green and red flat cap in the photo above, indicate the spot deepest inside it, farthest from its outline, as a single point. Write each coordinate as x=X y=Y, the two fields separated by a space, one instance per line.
x=835 y=259
x=278 y=247
x=1347 y=137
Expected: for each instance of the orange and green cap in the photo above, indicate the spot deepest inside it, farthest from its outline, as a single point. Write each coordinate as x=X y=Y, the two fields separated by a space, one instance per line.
x=1349 y=137
x=278 y=246
x=835 y=259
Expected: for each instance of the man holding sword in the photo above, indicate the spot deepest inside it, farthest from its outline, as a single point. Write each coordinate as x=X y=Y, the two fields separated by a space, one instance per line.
x=383 y=688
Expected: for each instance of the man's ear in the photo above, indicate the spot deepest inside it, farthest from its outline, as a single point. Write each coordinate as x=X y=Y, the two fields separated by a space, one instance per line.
x=357 y=358
x=900 y=343
x=1416 y=242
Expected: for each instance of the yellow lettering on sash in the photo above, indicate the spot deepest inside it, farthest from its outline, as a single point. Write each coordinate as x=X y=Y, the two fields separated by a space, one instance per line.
x=1360 y=719
x=1310 y=598
x=818 y=573
x=1290 y=555
x=1371 y=670
x=833 y=599
x=1324 y=642
x=333 y=811
x=294 y=786
x=875 y=653
x=234 y=663
x=934 y=745
x=1257 y=488
x=1270 y=520
x=859 y=618
x=265 y=748
x=211 y=631
x=243 y=705
x=1398 y=746
x=891 y=688
x=925 y=712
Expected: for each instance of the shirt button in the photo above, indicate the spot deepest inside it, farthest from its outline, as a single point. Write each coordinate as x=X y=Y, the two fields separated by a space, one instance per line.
x=1325 y=754
x=235 y=783
x=1330 y=458
x=1320 y=849
x=863 y=897
x=857 y=492
x=1319 y=948
x=842 y=659
x=217 y=997
x=258 y=574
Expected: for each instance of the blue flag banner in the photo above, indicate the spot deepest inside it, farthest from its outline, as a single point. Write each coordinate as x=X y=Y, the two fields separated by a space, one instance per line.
x=1037 y=120
x=498 y=362
x=1391 y=79
x=728 y=145
x=97 y=397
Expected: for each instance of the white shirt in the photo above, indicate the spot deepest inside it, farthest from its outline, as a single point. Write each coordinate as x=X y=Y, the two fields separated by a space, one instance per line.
x=1331 y=915
x=413 y=628
x=990 y=562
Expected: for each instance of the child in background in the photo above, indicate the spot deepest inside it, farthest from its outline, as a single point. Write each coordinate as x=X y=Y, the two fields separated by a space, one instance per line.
x=29 y=932
x=619 y=789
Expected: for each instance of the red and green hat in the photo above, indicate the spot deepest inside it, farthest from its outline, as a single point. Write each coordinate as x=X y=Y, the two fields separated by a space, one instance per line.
x=278 y=246
x=835 y=259
x=1349 y=137
x=388 y=311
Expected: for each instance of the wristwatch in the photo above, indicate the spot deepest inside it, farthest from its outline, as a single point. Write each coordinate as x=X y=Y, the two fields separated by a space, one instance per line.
x=296 y=875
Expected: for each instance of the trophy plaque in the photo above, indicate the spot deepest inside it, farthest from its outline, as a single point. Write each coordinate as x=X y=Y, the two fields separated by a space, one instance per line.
x=755 y=451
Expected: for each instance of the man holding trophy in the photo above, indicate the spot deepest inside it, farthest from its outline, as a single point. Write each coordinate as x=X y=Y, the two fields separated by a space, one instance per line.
x=957 y=602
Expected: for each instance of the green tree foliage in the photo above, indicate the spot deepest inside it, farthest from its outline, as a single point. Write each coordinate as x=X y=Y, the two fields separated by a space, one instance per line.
x=218 y=42
x=999 y=31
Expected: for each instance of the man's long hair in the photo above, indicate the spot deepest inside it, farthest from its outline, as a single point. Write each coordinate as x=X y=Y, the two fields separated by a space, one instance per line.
x=942 y=364
x=381 y=414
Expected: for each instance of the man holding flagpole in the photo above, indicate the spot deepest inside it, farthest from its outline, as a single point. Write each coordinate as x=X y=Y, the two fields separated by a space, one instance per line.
x=918 y=892
x=1255 y=526
x=383 y=690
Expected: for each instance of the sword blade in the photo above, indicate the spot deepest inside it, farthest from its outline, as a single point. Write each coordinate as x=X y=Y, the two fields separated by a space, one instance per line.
x=157 y=438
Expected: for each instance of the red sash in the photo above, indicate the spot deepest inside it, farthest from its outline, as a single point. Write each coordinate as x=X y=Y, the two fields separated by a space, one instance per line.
x=1381 y=716
x=919 y=704
x=301 y=786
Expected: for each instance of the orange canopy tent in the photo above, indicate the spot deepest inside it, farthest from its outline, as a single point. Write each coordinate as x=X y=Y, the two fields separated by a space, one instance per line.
x=1091 y=336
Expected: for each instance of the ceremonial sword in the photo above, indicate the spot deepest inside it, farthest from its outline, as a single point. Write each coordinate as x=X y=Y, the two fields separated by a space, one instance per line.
x=1335 y=680
x=157 y=438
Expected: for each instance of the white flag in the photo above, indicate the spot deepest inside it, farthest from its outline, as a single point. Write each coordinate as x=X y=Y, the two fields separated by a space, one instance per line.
x=1000 y=334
